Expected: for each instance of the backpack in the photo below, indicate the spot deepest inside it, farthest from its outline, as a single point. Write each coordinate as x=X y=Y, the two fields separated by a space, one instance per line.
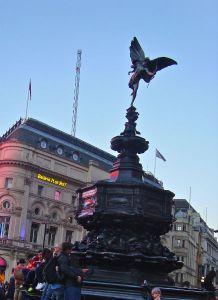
x=49 y=272
x=19 y=275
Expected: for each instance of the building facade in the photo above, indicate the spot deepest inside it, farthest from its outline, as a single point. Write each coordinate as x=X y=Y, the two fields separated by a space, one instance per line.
x=209 y=248
x=40 y=170
x=194 y=243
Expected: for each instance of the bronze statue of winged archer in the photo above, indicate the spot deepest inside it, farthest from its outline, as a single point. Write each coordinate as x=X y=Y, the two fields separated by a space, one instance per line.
x=143 y=67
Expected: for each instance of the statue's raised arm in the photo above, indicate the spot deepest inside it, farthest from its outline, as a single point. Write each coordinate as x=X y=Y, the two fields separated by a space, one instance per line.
x=143 y=67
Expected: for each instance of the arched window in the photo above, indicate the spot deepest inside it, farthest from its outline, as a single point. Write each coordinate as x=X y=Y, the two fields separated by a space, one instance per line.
x=6 y=204
x=4 y=226
x=70 y=220
x=37 y=211
x=54 y=216
x=69 y=235
x=34 y=232
x=52 y=236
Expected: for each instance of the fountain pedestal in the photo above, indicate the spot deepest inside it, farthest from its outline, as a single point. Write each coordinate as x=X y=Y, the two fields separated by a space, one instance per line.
x=125 y=217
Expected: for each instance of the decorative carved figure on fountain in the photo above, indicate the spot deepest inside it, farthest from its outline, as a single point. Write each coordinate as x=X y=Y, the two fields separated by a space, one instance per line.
x=130 y=126
x=143 y=67
x=125 y=241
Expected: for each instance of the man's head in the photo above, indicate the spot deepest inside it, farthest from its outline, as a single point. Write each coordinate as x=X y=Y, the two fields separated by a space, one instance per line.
x=66 y=247
x=21 y=261
x=39 y=254
x=156 y=293
x=57 y=250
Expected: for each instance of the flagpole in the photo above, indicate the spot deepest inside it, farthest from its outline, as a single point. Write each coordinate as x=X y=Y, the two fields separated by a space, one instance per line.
x=28 y=98
x=190 y=196
x=27 y=104
x=155 y=160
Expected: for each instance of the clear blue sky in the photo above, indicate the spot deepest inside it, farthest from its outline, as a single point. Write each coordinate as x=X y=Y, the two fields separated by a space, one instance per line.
x=179 y=110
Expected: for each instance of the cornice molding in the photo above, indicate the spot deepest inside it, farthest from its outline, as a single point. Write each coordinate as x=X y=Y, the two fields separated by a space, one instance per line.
x=38 y=169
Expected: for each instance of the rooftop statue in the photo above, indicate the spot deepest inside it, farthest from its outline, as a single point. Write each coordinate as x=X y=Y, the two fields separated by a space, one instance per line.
x=143 y=67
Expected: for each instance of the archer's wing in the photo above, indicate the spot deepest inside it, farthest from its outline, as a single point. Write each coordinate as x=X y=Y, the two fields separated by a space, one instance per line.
x=160 y=63
x=136 y=52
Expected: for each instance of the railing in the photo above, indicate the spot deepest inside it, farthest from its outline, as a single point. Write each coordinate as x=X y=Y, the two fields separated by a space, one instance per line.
x=10 y=130
x=150 y=176
x=18 y=243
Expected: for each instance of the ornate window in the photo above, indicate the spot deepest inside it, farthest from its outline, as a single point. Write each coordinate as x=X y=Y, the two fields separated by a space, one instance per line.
x=73 y=199
x=6 y=204
x=43 y=144
x=69 y=234
x=179 y=227
x=40 y=190
x=57 y=195
x=34 y=232
x=54 y=216
x=59 y=150
x=4 y=226
x=70 y=219
x=75 y=156
x=8 y=182
x=178 y=243
x=37 y=211
x=51 y=236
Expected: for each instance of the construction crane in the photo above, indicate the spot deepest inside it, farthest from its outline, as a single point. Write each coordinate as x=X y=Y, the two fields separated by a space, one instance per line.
x=76 y=92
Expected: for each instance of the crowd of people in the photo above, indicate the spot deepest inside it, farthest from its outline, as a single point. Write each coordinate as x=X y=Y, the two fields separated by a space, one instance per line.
x=52 y=275
x=48 y=275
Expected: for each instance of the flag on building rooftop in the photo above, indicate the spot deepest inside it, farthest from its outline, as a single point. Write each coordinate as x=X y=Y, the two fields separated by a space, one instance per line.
x=159 y=155
x=30 y=91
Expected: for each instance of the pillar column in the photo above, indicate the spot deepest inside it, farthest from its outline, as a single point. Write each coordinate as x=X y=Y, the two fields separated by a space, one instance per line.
x=24 y=204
